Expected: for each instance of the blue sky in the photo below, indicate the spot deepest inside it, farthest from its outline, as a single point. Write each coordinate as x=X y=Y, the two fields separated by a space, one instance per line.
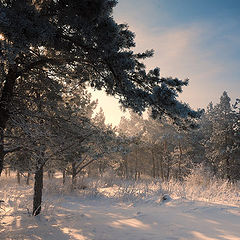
x=195 y=39
x=170 y=13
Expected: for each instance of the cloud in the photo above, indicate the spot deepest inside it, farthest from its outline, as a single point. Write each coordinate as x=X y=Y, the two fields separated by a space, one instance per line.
x=206 y=52
x=194 y=52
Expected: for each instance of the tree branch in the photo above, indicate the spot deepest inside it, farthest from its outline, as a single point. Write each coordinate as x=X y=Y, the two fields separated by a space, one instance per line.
x=12 y=150
x=39 y=63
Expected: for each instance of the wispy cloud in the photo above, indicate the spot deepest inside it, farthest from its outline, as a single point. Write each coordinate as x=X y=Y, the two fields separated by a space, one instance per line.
x=202 y=51
x=206 y=51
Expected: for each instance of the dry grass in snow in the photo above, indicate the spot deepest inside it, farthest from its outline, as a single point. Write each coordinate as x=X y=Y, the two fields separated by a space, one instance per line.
x=108 y=209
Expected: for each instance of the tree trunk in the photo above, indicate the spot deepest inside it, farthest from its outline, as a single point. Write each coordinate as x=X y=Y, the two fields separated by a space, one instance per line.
x=161 y=169
x=50 y=174
x=136 y=167
x=28 y=178
x=168 y=170
x=228 y=169
x=38 y=186
x=139 y=175
x=166 y=160
x=63 y=177
x=74 y=174
x=100 y=168
x=5 y=101
x=126 y=169
x=1 y=149
x=179 y=161
x=89 y=172
x=18 y=177
x=153 y=165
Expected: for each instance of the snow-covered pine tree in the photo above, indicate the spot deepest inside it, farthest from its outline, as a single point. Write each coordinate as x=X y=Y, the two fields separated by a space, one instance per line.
x=223 y=148
x=79 y=40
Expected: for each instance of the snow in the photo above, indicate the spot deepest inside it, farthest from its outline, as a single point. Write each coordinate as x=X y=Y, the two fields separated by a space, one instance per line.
x=100 y=217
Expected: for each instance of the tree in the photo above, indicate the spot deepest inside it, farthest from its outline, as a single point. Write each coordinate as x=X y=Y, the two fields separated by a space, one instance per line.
x=132 y=129
x=79 y=41
x=167 y=147
x=223 y=146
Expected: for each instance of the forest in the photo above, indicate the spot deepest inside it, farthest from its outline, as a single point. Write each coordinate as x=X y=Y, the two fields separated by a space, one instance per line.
x=52 y=137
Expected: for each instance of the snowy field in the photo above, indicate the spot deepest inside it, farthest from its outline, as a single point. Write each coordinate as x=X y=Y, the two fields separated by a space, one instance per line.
x=121 y=210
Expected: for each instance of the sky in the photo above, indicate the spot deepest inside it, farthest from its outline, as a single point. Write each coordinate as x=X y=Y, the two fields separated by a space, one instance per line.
x=195 y=39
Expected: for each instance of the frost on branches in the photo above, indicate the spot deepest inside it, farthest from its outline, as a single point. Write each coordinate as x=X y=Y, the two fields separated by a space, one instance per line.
x=79 y=40
x=51 y=48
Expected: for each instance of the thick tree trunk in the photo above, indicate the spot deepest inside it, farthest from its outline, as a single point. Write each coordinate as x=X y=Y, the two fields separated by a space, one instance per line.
x=38 y=186
x=5 y=101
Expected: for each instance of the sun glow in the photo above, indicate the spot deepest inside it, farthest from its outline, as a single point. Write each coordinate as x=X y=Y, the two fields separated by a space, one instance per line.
x=2 y=37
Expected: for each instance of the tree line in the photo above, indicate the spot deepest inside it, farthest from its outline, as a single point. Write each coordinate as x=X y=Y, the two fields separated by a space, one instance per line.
x=50 y=53
x=162 y=150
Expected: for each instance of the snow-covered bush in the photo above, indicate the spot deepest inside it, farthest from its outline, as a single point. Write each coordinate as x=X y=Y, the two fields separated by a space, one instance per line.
x=201 y=185
x=199 y=175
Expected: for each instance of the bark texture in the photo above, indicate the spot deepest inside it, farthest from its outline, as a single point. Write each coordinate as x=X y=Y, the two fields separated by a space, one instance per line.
x=5 y=103
x=38 y=186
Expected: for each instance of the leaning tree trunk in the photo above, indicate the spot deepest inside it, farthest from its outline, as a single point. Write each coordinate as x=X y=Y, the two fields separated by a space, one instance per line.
x=38 y=186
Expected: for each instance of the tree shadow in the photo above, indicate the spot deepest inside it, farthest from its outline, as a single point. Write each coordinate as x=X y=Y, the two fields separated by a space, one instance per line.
x=78 y=219
x=21 y=226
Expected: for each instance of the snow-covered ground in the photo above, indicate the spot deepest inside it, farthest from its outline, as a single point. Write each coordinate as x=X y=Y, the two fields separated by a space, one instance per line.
x=100 y=216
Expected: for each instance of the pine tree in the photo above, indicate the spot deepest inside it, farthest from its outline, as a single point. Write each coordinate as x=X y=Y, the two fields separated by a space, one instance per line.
x=79 y=41
x=223 y=144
